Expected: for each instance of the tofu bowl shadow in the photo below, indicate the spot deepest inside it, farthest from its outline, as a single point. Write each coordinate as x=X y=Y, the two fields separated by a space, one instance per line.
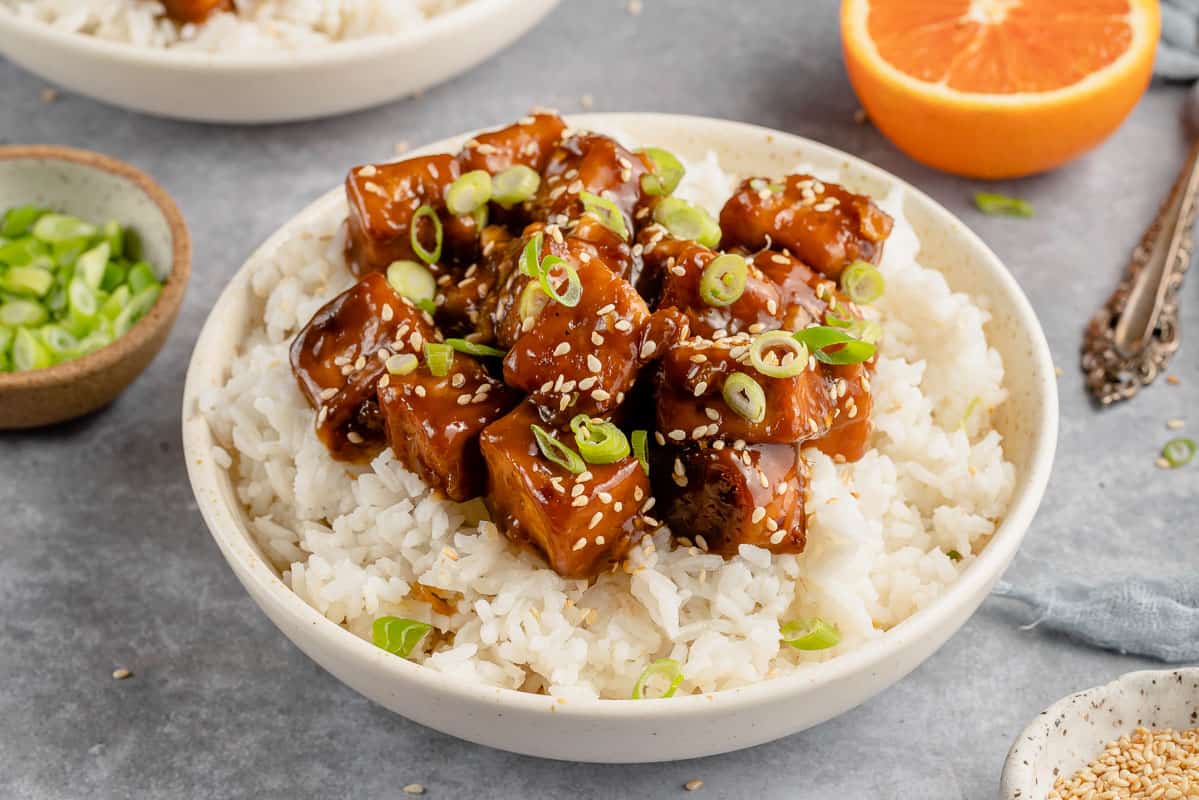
x=620 y=731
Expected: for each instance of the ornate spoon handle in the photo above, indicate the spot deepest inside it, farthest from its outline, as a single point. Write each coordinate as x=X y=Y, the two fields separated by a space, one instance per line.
x=1131 y=339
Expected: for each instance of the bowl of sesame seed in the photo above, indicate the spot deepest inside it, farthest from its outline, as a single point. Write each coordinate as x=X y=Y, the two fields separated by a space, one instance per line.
x=1136 y=737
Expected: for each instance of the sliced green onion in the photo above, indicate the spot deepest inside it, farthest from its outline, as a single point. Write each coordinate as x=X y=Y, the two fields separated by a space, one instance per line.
x=6 y=337
x=849 y=350
x=52 y=228
x=1001 y=204
x=574 y=285
x=21 y=252
x=412 y=280
x=685 y=221
x=862 y=282
x=954 y=555
x=557 y=452
x=115 y=275
x=115 y=237
x=82 y=302
x=723 y=281
x=139 y=304
x=640 y=444
x=425 y=255
x=810 y=634
x=532 y=301
x=29 y=352
x=19 y=220
x=599 y=442
x=398 y=635
x=90 y=343
x=427 y=305
x=745 y=396
x=760 y=184
x=667 y=172
x=608 y=212
x=764 y=355
x=439 y=357
x=66 y=252
x=91 y=265
x=865 y=329
x=530 y=257
x=474 y=349
x=401 y=363
x=140 y=276
x=480 y=215
x=27 y=280
x=665 y=669
x=58 y=341
x=515 y=185
x=1179 y=452
x=468 y=192
x=22 y=313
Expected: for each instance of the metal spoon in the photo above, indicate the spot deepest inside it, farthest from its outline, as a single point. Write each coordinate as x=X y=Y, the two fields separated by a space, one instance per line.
x=1131 y=339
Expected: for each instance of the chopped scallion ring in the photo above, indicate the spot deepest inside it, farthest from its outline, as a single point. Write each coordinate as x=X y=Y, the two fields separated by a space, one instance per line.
x=468 y=192
x=599 y=442
x=33 y=281
x=607 y=211
x=439 y=357
x=865 y=329
x=745 y=396
x=412 y=280
x=474 y=349
x=398 y=635
x=29 y=352
x=954 y=555
x=515 y=185
x=664 y=669
x=574 y=285
x=640 y=440
x=848 y=350
x=53 y=228
x=667 y=172
x=426 y=255
x=557 y=452
x=723 y=281
x=402 y=364
x=765 y=355
x=1179 y=452
x=685 y=221
x=22 y=314
x=1000 y=204
x=810 y=634
x=530 y=258
x=427 y=305
x=862 y=282
x=532 y=301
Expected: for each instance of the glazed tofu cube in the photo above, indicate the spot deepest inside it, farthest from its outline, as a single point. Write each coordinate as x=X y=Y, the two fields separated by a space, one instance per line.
x=594 y=163
x=721 y=497
x=823 y=224
x=338 y=359
x=463 y=292
x=581 y=524
x=848 y=437
x=691 y=405
x=499 y=319
x=433 y=423
x=581 y=359
x=803 y=291
x=383 y=199
x=194 y=11
x=529 y=142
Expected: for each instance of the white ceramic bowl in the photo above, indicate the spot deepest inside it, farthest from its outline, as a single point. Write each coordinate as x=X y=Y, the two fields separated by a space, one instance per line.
x=679 y=727
x=270 y=87
x=1072 y=732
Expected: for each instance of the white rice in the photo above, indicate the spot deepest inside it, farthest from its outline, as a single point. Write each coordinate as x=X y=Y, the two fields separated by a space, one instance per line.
x=353 y=541
x=257 y=25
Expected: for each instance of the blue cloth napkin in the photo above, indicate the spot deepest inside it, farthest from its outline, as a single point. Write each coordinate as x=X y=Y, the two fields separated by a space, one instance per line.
x=1178 y=51
x=1157 y=618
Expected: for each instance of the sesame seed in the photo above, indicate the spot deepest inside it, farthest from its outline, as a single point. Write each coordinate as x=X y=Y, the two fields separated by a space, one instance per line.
x=584 y=476
x=360 y=363
x=579 y=502
x=696 y=433
x=457 y=380
x=580 y=543
x=577 y=490
x=648 y=505
x=595 y=519
x=546 y=387
x=623 y=325
x=463 y=399
x=596 y=339
x=712 y=413
x=449 y=553
x=607 y=309
x=677 y=435
x=638 y=494
x=759 y=513
x=700 y=388
x=659 y=438
x=593 y=363
x=414 y=788
x=387 y=313
x=599 y=395
x=1175 y=424
x=120 y=674
x=605 y=498
x=562 y=349
x=777 y=536
x=354 y=438
x=648 y=347
x=599 y=541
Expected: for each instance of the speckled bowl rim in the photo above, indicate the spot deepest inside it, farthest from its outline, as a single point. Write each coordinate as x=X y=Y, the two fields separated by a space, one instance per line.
x=1019 y=780
x=223 y=522
x=160 y=314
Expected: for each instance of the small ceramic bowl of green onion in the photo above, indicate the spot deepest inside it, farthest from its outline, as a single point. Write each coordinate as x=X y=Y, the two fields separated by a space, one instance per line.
x=94 y=261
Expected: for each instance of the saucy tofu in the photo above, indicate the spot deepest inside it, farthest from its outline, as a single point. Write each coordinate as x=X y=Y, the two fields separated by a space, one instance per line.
x=530 y=141
x=338 y=359
x=433 y=422
x=581 y=524
x=194 y=11
x=463 y=292
x=721 y=497
x=594 y=163
x=848 y=436
x=802 y=290
x=823 y=224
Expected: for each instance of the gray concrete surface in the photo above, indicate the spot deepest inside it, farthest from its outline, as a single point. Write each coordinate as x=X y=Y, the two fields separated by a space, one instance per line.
x=105 y=562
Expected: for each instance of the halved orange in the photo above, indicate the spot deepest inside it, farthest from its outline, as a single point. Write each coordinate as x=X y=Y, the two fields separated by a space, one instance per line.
x=998 y=88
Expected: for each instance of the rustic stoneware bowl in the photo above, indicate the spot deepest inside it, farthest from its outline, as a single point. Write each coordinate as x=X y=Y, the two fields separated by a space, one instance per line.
x=1072 y=732
x=678 y=727
x=97 y=188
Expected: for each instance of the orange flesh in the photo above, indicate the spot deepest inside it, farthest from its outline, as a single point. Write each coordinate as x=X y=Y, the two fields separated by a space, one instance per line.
x=1001 y=46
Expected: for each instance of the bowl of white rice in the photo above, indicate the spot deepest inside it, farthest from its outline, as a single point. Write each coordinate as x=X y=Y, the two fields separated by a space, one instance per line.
x=268 y=61
x=903 y=545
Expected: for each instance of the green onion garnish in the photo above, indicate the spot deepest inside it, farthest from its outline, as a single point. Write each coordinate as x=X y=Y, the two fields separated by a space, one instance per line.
x=398 y=635
x=474 y=349
x=92 y=264
x=765 y=356
x=862 y=282
x=402 y=364
x=515 y=185
x=599 y=442
x=723 y=281
x=1179 y=452
x=532 y=300
x=685 y=221
x=666 y=174
x=53 y=228
x=849 y=350
x=19 y=220
x=29 y=352
x=607 y=211
x=640 y=444
x=439 y=357
x=1001 y=204
x=58 y=341
x=427 y=305
x=427 y=256
x=760 y=184
x=412 y=280
x=954 y=555
x=574 y=285
x=468 y=192
x=114 y=236
x=33 y=281
x=664 y=668
x=744 y=395
x=22 y=313
x=810 y=634
x=557 y=452
x=530 y=258
x=865 y=329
